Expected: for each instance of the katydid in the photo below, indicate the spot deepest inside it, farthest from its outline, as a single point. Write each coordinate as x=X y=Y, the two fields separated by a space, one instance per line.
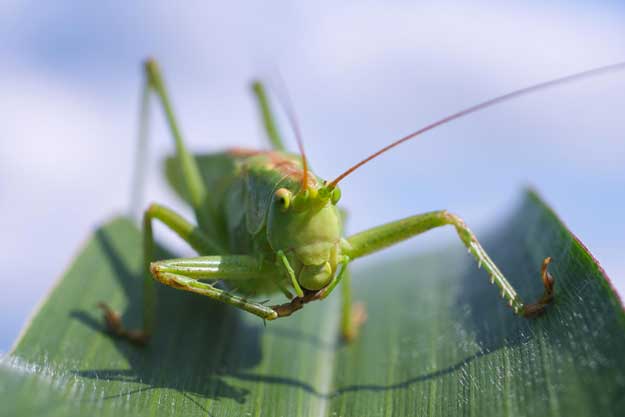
x=272 y=226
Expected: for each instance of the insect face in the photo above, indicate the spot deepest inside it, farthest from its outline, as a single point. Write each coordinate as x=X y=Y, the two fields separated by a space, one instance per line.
x=306 y=226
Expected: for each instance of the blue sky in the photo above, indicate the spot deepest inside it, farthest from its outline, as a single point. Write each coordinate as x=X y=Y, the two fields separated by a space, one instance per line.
x=360 y=73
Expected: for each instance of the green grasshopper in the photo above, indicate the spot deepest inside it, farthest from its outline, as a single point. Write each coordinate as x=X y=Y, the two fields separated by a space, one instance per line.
x=271 y=225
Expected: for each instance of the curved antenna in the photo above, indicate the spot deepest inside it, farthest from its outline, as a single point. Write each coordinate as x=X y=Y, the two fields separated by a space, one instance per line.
x=287 y=104
x=517 y=93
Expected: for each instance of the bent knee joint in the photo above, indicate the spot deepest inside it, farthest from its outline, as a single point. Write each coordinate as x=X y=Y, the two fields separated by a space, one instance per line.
x=461 y=227
x=150 y=212
x=157 y=272
x=451 y=218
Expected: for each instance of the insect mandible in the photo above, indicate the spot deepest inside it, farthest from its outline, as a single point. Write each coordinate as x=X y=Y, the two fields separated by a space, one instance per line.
x=269 y=224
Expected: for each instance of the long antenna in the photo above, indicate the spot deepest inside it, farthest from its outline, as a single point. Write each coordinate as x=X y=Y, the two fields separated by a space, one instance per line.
x=523 y=91
x=287 y=104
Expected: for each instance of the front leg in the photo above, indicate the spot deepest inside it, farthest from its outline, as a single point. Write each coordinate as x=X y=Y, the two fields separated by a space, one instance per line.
x=380 y=237
x=283 y=263
x=191 y=234
x=187 y=274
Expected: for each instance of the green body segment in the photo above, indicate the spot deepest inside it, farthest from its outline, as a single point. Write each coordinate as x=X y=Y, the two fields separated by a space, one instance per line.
x=254 y=224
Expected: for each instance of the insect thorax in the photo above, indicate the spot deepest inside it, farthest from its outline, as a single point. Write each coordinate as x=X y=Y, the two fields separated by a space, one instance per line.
x=254 y=226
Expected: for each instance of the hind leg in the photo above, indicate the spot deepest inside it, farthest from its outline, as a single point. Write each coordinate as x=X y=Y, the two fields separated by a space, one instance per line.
x=199 y=198
x=271 y=127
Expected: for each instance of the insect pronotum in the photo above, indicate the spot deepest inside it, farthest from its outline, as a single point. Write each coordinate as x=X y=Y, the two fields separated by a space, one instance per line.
x=267 y=224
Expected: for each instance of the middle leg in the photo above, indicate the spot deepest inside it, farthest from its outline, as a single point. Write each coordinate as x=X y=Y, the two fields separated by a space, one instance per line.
x=380 y=237
x=353 y=315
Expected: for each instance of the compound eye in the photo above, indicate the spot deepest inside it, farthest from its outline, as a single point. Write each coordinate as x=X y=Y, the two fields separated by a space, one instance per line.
x=283 y=198
x=335 y=196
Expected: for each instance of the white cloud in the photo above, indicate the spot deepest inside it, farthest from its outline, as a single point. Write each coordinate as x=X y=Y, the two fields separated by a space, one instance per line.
x=461 y=55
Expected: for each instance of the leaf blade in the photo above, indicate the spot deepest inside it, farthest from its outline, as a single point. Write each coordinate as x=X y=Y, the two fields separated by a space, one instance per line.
x=438 y=340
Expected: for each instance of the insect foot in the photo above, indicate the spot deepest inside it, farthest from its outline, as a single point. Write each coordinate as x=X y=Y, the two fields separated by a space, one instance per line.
x=115 y=326
x=534 y=310
x=297 y=303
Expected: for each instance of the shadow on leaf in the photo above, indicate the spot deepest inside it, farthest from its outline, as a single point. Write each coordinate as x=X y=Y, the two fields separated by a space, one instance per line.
x=231 y=347
x=228 y=345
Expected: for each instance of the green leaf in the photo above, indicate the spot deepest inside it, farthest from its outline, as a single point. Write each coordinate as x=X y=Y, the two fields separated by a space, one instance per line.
x=438 y=342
